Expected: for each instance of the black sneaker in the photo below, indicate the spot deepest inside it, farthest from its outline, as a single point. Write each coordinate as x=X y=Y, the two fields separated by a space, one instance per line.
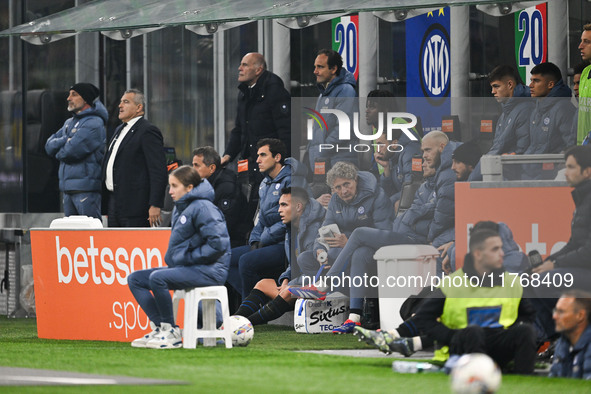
x=403 y=346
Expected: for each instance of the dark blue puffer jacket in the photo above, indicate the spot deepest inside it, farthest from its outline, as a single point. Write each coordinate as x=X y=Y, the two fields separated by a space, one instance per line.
x=401 y=167
x=199 y=234
x=339 y=94
x=80 y=146
x=310 y=222
x=512 y=130
x=269 y=230
x=370 y=208
x=415 y=221
x=442 y=228
x=573 y=361
x=550 y=123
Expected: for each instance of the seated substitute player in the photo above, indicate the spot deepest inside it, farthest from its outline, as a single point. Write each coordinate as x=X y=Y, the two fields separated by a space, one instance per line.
x=303 y=217
x=411 y=227
x=464 y=159
x=434 y=211
x=198 y=255
x=357 y=201
x=550 y=121
x=264 y=257
x=512 y=129
x=395 y=166
x=484 y=314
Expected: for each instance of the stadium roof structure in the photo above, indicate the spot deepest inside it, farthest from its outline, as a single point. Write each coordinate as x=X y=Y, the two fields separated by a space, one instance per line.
x=123 y=19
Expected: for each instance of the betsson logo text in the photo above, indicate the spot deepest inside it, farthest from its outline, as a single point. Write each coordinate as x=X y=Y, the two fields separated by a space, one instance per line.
x=82 y=264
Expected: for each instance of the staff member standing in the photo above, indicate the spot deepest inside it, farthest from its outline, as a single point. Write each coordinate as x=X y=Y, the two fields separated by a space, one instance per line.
x=80 y=146
x=134 y=169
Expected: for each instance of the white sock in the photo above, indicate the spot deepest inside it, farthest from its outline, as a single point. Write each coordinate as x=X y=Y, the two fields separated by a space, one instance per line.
x=355 y=317
x=417 y=343
x=394 y=333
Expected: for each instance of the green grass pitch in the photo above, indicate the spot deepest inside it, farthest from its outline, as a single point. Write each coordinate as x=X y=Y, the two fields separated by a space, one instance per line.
x=270 y=364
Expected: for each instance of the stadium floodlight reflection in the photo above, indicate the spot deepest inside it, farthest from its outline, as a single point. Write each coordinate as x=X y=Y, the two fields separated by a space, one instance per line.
x=505 y=8
x=207 y=29
x=299 y=22
x=125 y=34
x=45 y=38
x=400 y=15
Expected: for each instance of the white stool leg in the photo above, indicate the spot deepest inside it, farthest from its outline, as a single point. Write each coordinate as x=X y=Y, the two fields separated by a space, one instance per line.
x=176 y=298
x=208 y=319
x=227 y=334
x=205 y=298
x=190 y=328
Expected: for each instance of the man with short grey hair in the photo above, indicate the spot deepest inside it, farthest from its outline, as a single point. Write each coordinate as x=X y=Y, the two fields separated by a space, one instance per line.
x=134 y=168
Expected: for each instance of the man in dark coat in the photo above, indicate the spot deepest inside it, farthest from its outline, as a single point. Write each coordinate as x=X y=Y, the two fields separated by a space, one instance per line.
x=263 y=112
x=228 y=196
x=570 y=265
x=134 y=167
x=575 y=254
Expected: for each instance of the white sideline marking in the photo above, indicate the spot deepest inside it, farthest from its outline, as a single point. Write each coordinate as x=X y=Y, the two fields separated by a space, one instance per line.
x=48 y=379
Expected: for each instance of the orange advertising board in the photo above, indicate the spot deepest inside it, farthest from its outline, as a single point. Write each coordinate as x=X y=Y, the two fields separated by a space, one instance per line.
x=486 y=126
x=80 y=281
x=539 y=217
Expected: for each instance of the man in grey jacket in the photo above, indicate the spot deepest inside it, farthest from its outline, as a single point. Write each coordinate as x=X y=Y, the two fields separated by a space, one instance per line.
x=302 y=217
x=512 y=130
x=550 y=122
x=337 y=91
x=80 y=146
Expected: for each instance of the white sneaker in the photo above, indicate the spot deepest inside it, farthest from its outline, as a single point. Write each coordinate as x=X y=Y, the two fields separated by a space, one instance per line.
x=169 y=337
x=141 y=342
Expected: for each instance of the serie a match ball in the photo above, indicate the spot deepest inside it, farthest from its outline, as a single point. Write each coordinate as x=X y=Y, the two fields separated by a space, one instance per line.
x=475 y=373
x=241 y=328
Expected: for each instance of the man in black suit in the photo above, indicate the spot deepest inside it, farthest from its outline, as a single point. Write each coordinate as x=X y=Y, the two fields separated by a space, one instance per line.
x=134 y=168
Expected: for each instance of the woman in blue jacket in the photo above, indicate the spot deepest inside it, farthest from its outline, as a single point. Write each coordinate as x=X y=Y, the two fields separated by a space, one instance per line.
x=198 y=255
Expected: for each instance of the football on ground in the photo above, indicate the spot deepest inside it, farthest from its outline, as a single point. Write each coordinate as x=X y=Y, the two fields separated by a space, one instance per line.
x=475 y=373
x=241 y=328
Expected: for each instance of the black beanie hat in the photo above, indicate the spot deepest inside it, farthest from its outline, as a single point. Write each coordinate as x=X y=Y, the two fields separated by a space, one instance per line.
x=87 y=91
x=468 y=153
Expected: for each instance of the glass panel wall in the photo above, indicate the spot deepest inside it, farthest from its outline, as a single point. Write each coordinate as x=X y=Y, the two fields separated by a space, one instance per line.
x=11 y=198
x=392 y=57
x=113 y=63
x=180 y=88
x=175 y=67
x=47 y=73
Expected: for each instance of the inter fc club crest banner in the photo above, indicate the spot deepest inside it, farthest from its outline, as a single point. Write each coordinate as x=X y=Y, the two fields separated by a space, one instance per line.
x=345 y=40
x=531 y=39
x=428 y=62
